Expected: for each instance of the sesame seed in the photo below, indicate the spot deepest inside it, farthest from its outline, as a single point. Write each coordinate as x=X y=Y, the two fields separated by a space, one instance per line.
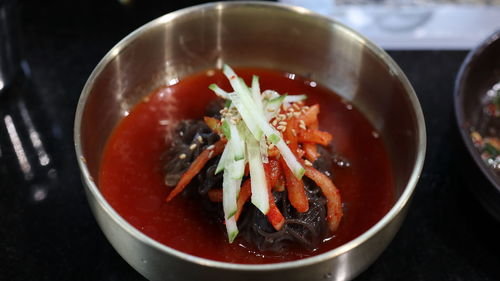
x=296 y=106
x=303 y=127
x=275 y=122
x=308 y=163
x=145 y=99
x=296 y=114
x=283 y=123
x=282 y=116
x=210 y=72
x=281 y=128
x=182 y=156
x=287 y=142
x=375 y=134
x=289 y=114
x=270 y=109
x=193 y=146
x=200 y=139
x=294 y=133
x=302 y=122
x=211 y=147
x=210 y=154
x=271 y=146
x=290 y=109
x=181 y=133
x=163 y=122
x=306 y=107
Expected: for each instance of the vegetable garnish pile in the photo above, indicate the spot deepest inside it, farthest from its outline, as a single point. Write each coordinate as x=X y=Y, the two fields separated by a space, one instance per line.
x=485 y=134
x=268 y=142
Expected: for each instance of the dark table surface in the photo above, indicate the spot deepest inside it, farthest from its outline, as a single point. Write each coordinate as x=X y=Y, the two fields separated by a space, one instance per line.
x=47 y=231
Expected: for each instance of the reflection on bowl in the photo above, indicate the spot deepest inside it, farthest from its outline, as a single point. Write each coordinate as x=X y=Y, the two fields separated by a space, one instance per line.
x=475 y=108
x=259 y=35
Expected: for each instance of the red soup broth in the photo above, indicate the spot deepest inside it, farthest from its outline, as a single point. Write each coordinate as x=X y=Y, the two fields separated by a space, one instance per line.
x=131 y=176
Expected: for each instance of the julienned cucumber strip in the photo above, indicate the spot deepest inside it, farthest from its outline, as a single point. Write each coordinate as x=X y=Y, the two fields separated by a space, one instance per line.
x=224 y=158
x=274 y=138
x=290 y=159
x=237 y=142
x=263 y=151
x=260 y=196
x=236 y=168
x=277 y=100
x=226 y=130
x=272 y=107
x=270 y=94
x=246 y=115
x=256 y=91
x=218 y=91
x=295 y=98
x=235 y=81
x=246 y=144
x=230 y=190
x=254 y=118
x=255 y=114
x=232 y=229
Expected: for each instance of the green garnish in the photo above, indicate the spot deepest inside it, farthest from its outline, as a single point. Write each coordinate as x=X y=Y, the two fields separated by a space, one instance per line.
x=246 y=132
x=225 y=129
x=491 y=150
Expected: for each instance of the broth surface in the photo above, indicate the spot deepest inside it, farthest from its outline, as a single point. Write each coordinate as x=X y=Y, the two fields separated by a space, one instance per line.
x=131 y=177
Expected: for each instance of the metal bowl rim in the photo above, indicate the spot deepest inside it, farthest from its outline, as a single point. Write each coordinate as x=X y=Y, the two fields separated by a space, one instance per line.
x=459 y=113
x=381 y=54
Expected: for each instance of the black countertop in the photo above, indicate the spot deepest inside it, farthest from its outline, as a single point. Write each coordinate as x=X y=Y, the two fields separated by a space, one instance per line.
x=47 y=231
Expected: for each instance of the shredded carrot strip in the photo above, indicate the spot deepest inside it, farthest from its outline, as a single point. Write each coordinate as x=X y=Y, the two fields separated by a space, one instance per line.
x=213 y=124
x=196 y=167
x=245 y=192
x=310 y=148
x=314 y=125
x=280 y=183
x=311 y=151
x=315 y=136
x=311 y=115
x=332 y=194
x=274 y=171
x=215 y=195
x=274 y=215
x=296 y=191
x=273 y=152
x=277 y=177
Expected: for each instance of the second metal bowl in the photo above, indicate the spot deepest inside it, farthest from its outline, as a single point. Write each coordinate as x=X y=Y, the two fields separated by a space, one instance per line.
x=478 y=73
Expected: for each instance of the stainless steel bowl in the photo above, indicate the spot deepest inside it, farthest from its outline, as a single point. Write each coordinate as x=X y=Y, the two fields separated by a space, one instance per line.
x=260 y=35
